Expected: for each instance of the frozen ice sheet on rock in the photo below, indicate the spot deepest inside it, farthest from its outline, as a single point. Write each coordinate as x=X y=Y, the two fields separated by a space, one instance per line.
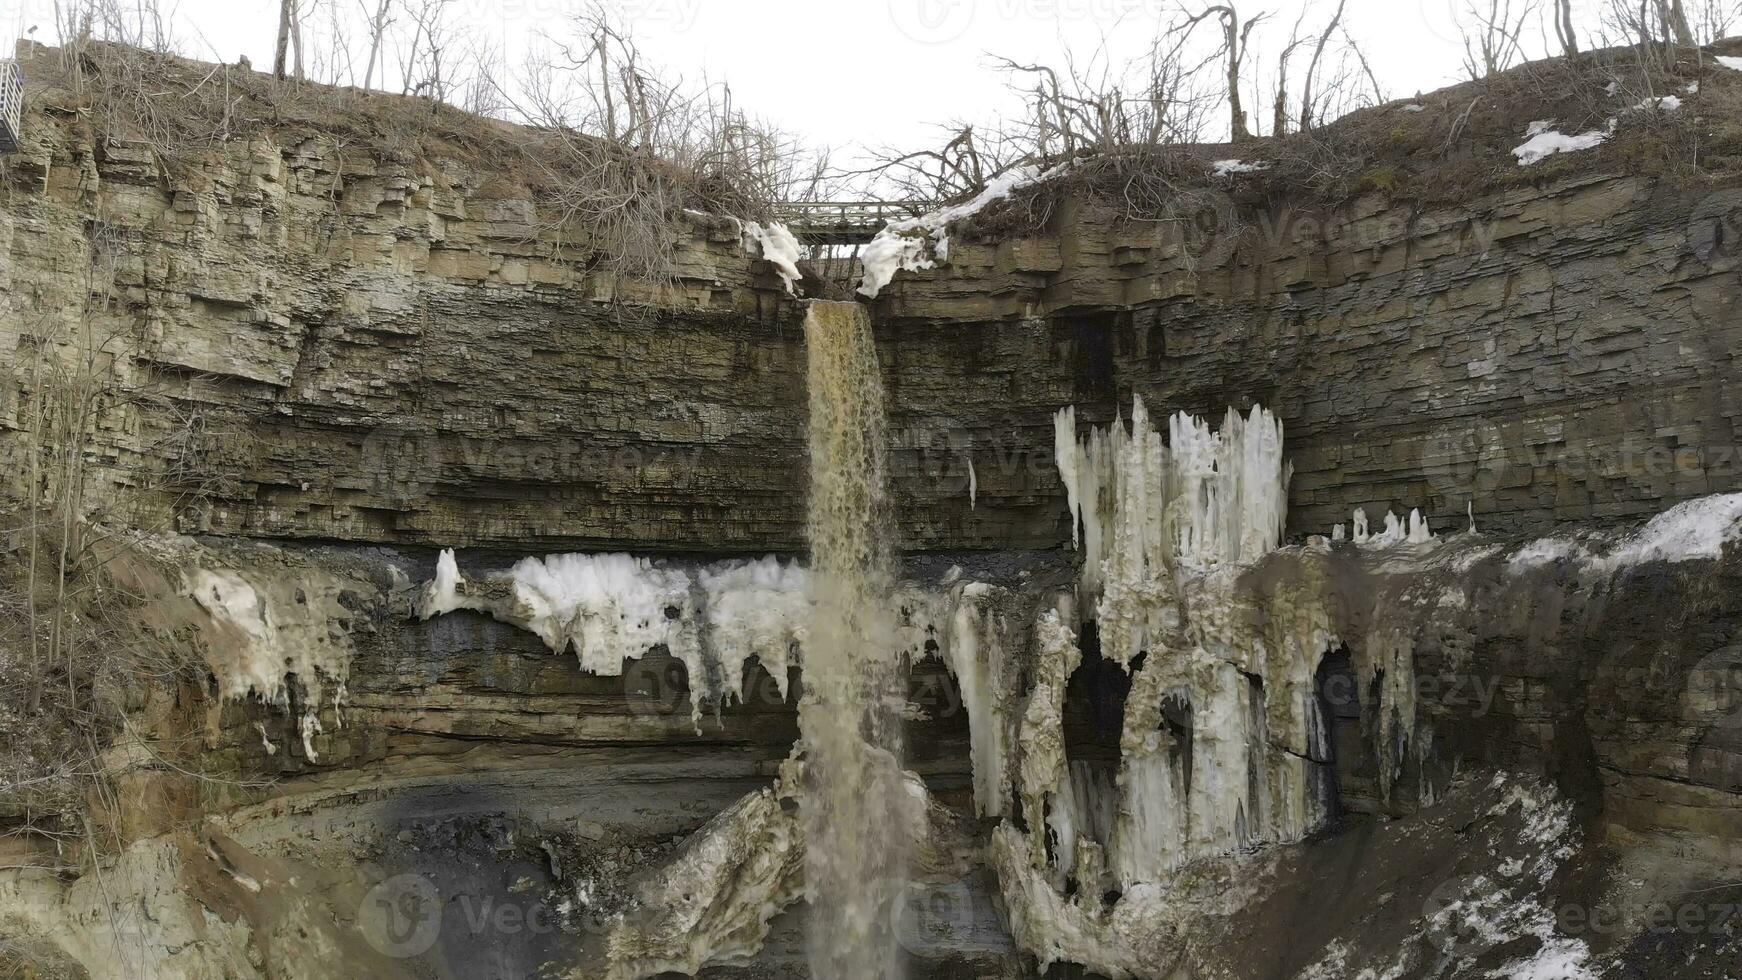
x=1690 y=530
x=613 y=607
x=776 y=244
x=1397 y=531
x=273 y=637
x=1205 y=497
x=755 y=608
x=1693 y=530
x=712 y=904
x=1202 y=499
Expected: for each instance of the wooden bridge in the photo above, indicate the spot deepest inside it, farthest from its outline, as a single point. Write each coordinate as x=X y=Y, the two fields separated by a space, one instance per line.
x=843 y=222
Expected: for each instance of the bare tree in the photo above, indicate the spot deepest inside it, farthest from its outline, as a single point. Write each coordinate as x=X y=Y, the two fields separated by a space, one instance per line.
x=957 y=168
x=1122 y=121
x=1233 y=49
x=424 y=69
x=1675 y=21
x=1493 y=32
x=377 y=28
x=481 y=93
x=1651 y=24
x=1279 y=102
x=622 y=153
x=1306 y=96
x=296 y=38
x=1565 y=32
x=286 y=18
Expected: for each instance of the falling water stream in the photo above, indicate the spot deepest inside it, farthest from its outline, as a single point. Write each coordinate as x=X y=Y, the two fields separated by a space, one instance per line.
x=857 y=807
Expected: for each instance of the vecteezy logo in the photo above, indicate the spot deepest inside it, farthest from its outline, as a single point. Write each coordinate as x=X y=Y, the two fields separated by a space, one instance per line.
x=1452 y=915
x=1205 y=224
x=1715 y=227
x=1462 y=459
x=1458 y=21
x=1714 y=689
x=946 y=916
x=679 y=15
x=402 y=916
x=396 y=458
x=932 y=21
x=655 y=686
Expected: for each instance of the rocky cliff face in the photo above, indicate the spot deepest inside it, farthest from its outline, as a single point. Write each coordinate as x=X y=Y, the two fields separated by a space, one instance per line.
x=329 y=362
x=411 y=360
x=1564 y=352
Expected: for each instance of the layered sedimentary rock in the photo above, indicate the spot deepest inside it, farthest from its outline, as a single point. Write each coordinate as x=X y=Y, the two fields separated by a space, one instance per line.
x=345 y=345
x=1562 y=352
x=1214 y=687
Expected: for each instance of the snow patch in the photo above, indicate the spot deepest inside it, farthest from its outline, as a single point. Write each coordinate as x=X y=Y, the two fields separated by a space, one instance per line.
x=1227 y=168
x=913 y=244
x=1730 y=62
x=775 y=242
x=1667 y=103
x=1545 y=142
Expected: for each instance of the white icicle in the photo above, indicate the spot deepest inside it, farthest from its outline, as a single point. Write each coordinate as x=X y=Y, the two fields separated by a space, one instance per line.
x=1418 y=529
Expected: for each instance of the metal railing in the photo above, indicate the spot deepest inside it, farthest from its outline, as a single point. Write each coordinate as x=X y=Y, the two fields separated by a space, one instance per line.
x=847 y=213
x=11 y=105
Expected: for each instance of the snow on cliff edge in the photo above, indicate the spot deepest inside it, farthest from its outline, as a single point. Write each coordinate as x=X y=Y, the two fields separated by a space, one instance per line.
x=920 y=243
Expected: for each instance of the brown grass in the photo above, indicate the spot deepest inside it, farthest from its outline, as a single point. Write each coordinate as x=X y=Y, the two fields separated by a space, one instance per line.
x=623 y=202
x=1456 y=146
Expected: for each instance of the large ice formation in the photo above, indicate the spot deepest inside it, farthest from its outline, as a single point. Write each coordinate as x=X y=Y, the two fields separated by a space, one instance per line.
x=612 y=607
x=275 y=637
x=710 y=906
x=1223 y=741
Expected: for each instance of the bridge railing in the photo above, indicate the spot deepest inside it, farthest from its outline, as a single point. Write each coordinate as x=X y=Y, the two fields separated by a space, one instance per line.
x=11 y=105
x=855 y=214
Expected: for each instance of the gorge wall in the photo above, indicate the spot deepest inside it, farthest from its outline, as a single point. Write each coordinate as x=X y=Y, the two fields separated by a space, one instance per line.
x=1560 y=352
x=332 y=360
x=402 y=351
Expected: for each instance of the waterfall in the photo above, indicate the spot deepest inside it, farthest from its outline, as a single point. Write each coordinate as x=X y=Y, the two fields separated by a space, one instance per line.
x=857 y=809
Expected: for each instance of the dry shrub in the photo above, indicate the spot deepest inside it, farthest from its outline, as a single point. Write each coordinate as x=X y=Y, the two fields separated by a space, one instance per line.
x=1456 y=146
x=613 y=184
x=183 y=110
x=80 y=647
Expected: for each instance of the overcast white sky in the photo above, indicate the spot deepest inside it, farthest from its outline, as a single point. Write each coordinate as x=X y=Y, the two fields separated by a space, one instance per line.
x=847 y=72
